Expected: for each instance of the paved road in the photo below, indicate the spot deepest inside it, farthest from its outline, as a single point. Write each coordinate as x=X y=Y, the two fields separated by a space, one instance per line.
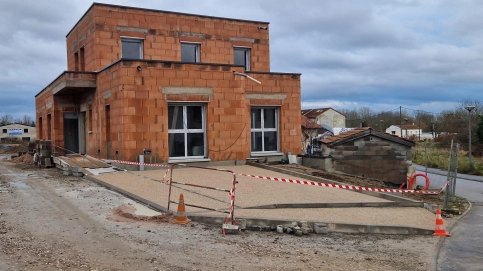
x=463 y=251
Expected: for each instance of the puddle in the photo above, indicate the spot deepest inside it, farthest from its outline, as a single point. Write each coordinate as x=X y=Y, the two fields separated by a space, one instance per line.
x=18 y=184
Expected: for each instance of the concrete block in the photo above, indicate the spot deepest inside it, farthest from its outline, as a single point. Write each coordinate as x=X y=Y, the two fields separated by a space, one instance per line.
x=320 y=228
x=242 y=223
x=77 y=174
x=231 y=229
x=48 y=162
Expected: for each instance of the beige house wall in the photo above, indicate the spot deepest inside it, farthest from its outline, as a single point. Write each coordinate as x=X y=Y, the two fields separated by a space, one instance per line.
x=26 y=132
x=332 y=118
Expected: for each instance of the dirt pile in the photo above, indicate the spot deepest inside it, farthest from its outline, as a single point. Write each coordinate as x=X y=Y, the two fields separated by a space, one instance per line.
x=26 y=159
x=13 y=148
x=125 y=213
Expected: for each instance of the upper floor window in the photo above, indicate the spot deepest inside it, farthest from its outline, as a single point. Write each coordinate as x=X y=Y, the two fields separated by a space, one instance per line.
x=132 y=48
x=25 y=130
x=190 y=52
x=242 y=57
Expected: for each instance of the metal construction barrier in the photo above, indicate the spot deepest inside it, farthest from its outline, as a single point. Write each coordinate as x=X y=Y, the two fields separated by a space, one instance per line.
x=231 y=192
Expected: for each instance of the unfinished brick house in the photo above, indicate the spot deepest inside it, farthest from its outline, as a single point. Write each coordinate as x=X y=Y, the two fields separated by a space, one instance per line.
x=179 y=85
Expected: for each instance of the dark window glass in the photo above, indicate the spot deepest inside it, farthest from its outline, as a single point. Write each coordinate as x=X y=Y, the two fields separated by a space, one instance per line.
x=196 y=144
x=176 y=145
x=256 y=118
x=242 y=57
x=189 y=52
x=257 y=141
x=195 y=119
x=175 y=117
x=269 y=118
x=270 y=141
x=132 y=48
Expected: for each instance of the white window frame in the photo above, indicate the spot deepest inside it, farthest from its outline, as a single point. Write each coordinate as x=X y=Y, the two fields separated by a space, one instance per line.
x=136 y=40
x=187 y=131
x=197 y=45
x=263 y=129
x=247 y=55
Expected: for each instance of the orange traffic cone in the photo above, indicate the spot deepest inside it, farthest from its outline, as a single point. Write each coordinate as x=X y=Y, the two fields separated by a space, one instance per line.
x=181 y=216
x=440 y=231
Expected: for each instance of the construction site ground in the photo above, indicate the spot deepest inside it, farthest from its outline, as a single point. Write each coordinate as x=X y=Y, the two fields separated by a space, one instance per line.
x=49 y=221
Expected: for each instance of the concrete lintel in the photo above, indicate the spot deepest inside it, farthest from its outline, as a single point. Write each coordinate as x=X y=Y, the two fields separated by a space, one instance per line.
x=187 y=90
x=266 y=96
x=131 y=29
x=190 y=34
x=242 y=39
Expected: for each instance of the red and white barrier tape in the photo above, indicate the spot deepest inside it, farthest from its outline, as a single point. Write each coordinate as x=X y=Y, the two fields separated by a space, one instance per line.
x=135 y=163
x=232 y=204
x=342 y=186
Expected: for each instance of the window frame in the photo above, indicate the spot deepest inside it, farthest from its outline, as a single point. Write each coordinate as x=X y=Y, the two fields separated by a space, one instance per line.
x=247 y=56
x=262 y=129
x=133 y=40
x=197 y=46
x=185 y=131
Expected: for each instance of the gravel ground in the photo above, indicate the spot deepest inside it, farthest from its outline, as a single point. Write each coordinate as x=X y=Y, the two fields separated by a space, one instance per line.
x=255 y=192
x=53 y=222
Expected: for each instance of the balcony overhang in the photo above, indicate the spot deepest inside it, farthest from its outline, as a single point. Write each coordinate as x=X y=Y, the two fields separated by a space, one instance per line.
x=70 y=82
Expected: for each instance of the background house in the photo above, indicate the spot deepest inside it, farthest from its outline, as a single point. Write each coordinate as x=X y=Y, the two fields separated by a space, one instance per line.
x=17 y=132
x=368 y=153
x=406 y=130
x=326 y=116
x=179 y=85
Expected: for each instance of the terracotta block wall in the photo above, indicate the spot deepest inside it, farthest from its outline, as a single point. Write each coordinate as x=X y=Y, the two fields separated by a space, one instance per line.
x=82 y=36
x=141 y=108
x=103 y=25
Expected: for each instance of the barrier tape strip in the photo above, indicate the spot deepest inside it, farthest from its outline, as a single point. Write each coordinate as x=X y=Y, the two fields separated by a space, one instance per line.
x=343 y=186
x=135 y=163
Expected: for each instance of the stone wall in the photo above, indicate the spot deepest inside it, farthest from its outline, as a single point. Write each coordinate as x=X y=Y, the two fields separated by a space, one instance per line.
x=373 y=158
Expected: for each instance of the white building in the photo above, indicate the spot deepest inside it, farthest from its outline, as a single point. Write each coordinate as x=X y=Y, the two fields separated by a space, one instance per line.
x=18 y=132
x=405 y=131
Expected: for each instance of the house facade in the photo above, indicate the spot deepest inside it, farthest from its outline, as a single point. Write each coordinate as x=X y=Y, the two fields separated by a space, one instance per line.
x=17 y=132
x=406 y=130
x=371 y=154
x=326 y=116
x=182 y=87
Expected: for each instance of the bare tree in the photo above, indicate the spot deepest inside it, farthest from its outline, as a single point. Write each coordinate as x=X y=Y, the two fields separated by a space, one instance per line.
x=6 y=119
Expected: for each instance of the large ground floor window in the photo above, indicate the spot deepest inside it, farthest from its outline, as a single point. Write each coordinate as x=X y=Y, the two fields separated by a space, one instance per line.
x=186 y=132
x=264 y=129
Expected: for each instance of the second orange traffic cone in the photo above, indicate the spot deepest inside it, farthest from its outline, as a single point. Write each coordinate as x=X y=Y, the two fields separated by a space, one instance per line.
x=181 y=216
x=440 y=231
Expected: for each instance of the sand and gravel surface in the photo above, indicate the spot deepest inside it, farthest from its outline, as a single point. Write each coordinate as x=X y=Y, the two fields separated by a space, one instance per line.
x=255 y=192
x=53 y=222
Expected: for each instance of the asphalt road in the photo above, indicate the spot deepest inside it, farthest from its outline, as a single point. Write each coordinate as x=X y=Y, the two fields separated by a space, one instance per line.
x=463 y=251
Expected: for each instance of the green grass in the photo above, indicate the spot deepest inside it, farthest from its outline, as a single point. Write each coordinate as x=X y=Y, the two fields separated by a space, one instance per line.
x=438 y=157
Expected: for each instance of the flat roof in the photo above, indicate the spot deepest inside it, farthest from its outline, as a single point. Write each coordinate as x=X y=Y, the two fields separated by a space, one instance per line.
x=158 y=10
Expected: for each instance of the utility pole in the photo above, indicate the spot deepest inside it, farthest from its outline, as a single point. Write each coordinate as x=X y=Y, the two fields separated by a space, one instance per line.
x=419 y=128
x=400 y=119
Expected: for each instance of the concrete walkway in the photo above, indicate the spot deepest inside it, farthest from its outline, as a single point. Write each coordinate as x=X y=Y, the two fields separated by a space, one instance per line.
x=464 y=249
x=252 y=192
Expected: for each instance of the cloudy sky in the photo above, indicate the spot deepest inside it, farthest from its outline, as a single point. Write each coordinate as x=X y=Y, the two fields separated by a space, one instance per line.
x=382 y=54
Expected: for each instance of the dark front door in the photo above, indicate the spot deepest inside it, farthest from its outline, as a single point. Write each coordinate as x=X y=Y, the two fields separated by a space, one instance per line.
x=71 y=133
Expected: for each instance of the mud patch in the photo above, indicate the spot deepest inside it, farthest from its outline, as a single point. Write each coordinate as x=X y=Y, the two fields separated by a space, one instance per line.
x=126 y=213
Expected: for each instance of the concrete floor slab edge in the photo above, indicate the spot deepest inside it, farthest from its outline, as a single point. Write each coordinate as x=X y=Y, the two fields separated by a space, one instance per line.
x=322 y=180
x=439 y=245
x=260 y=223
x=339 y=205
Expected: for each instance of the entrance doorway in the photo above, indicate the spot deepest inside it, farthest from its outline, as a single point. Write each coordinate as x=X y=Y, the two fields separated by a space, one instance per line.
x=71 y=133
